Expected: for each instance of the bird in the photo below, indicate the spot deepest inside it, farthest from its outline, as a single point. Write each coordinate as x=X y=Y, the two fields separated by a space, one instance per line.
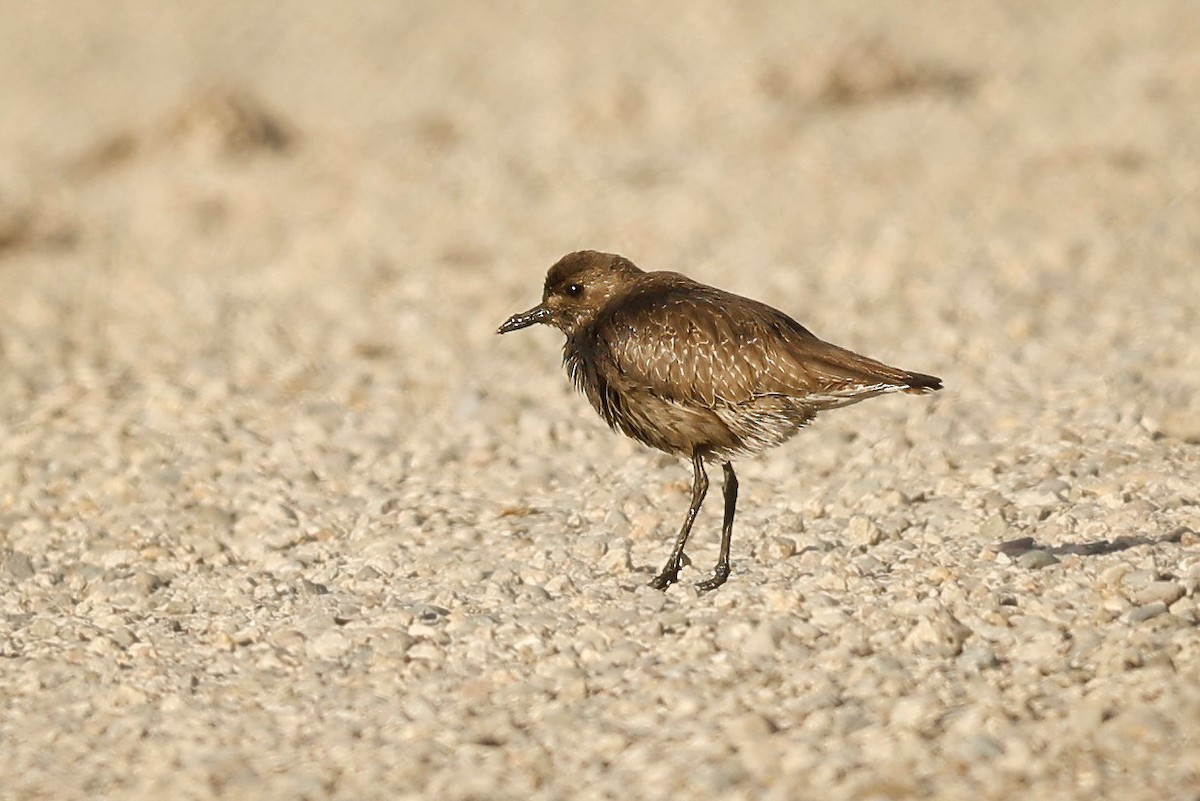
x=697 y=372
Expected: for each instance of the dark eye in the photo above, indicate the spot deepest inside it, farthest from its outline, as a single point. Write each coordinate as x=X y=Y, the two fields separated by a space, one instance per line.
x=575 y=290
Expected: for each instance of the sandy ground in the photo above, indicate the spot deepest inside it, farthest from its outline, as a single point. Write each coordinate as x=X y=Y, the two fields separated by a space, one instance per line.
x=280 y=517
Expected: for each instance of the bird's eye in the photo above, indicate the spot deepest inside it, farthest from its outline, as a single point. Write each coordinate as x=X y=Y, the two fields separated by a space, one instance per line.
x=575 y=290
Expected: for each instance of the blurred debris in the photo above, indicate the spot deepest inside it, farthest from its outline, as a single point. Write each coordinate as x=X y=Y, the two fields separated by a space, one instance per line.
x=871 y=70
x=229 y=123
x=867 y=71
x=25 y=224
x=218 y=123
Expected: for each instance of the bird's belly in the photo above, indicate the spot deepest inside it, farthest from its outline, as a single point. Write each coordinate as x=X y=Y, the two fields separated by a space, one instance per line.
x=672 y=427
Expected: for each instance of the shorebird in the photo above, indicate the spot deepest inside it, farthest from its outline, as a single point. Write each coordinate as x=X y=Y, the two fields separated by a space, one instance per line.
x=697 y=372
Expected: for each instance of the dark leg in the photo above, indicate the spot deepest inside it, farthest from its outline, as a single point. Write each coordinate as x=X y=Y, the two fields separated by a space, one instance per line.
x=721 y=571
x=670 y=572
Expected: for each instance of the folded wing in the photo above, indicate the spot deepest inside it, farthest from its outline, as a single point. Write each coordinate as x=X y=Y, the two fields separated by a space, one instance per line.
x=695 y=344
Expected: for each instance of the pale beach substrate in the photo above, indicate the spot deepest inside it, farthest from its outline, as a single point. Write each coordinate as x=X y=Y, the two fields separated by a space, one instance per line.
x=281 y=517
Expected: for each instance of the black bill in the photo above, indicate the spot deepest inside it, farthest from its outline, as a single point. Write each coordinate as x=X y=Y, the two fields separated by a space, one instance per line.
x=537 y=314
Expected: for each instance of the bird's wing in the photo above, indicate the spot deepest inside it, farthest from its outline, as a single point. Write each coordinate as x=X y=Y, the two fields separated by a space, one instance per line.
x=692 y=343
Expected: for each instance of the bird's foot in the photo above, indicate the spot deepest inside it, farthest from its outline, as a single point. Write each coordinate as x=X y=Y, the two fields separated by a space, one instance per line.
x=720 y=573
x=670 y=573
x=665 y=579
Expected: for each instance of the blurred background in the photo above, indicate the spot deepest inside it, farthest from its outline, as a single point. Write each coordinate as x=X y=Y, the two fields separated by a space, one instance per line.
x=276 y=501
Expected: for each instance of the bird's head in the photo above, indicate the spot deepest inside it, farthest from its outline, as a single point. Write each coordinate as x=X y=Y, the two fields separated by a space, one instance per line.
x=577 y=287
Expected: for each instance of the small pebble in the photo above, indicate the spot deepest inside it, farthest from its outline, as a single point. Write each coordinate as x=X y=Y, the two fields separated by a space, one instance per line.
x=1036 y=559
x=1165 y=592
x=331 y=644
x=18 y=565
x=779 y=548
x=1138 y=578
x=1141 y=614
x=863 y=531
x=938 y=634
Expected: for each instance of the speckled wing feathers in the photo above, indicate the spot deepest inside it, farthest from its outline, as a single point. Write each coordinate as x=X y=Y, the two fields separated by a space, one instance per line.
x=683 y=342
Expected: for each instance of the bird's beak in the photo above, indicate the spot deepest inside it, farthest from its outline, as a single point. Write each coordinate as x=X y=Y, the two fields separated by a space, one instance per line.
x=538 y=314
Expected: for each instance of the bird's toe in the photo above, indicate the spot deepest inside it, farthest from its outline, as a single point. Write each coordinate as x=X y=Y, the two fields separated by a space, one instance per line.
x=665 y=579
x=720 y=574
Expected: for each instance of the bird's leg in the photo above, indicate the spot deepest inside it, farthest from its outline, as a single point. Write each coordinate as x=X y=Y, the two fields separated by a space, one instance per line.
x=721 y=571
x=670 y=571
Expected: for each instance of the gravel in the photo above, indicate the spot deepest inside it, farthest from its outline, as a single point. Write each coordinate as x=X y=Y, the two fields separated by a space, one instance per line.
x=280 y=517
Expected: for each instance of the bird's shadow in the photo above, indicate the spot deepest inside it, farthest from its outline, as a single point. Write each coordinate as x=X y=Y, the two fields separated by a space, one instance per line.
x=1014 y=548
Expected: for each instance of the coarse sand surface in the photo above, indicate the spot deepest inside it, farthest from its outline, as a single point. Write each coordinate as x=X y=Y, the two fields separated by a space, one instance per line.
x=282 y=518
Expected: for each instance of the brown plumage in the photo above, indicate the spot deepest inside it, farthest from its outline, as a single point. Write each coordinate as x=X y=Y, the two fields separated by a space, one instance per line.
x=696 y=371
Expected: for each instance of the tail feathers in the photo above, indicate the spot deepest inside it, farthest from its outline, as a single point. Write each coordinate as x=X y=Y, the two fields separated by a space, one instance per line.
x=921 y=384
x=845 y=374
